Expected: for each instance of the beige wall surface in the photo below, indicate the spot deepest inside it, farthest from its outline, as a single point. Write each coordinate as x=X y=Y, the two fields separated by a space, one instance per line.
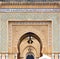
x=4 y=17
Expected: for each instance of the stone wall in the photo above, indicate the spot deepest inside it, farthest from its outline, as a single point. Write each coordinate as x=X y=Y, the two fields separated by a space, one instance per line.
x=4 y=17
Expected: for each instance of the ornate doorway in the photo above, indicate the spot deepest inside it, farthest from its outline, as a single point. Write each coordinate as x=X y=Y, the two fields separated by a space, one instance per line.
x=25 y=36
x=31 y=41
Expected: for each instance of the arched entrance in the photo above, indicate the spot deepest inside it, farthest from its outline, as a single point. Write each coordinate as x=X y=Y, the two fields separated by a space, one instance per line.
x=29 y=42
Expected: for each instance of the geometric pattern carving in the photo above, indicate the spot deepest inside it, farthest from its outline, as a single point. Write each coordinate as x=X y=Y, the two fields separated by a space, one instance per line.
x=29 y=23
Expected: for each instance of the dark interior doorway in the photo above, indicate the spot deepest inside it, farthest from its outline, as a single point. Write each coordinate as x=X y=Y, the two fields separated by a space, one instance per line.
x=30 y=57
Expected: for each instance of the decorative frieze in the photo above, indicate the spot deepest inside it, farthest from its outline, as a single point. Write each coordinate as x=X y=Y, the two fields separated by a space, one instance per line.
x=30 y=22
x=27 y=1
x=29 y=10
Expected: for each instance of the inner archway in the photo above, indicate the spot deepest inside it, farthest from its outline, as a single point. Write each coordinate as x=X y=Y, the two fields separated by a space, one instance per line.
x=30 y=41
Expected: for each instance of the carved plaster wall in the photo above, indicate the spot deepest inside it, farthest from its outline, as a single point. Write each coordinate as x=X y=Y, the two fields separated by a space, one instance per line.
x=42 y=28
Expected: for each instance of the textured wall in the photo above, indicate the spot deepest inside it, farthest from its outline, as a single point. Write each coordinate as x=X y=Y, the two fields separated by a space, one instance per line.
x=59 y=32
x=0 y=34
x=25 y=16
